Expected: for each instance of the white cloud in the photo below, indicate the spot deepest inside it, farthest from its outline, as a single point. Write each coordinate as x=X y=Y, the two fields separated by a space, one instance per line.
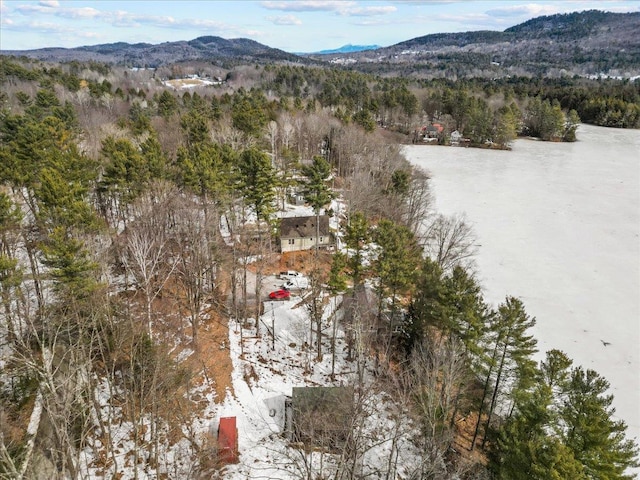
x=49 y=3
x=623 y=9
x=53 y=23
x=83 y=12
x=30 y=9
x=308 y=5
x=368 y=11
x=121 y=18
x=465 y=18
x=90 y=35
x=188 y=23
x=345 y=8
x=47 y=27
x=434 y=23
x=529 y=10
x=285 y=20
x=428 y=2
x=520 y=13
x=375 y=23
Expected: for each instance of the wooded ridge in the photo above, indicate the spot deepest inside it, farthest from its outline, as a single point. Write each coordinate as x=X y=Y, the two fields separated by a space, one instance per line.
x=585 y=43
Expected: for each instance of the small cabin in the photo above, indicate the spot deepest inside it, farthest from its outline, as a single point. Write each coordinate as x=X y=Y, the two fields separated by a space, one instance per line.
x=227 y=440
x=320 y=417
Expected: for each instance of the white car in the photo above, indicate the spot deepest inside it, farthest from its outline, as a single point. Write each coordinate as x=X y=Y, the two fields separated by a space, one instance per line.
x=290 y=275
x=297 y=282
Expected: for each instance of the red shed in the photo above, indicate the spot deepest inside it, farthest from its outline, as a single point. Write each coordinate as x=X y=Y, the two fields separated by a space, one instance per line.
x=228 y=440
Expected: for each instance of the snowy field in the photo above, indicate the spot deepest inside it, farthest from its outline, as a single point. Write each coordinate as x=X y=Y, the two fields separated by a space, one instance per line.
x=558 y=225
x=190 y=83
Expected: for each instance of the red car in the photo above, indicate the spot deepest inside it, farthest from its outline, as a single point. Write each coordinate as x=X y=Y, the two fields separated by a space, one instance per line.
x=281 y=294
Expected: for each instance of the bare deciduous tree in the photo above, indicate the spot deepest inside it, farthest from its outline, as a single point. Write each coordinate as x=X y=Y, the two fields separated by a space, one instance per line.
x=147 y=244
x=417 y=202
x=438 y=367
x=194 y=263
x=450 y=241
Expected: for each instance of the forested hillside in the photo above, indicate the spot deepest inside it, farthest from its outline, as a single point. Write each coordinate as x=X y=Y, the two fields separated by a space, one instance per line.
x=133 y=214
x=585 y=44
x=220 y=50
x=581 y=43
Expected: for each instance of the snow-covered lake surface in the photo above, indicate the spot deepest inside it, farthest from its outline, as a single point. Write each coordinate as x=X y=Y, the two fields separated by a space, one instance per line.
x=558 y=225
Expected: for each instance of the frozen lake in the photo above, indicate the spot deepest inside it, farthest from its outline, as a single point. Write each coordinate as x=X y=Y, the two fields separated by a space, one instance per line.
x=558 y=226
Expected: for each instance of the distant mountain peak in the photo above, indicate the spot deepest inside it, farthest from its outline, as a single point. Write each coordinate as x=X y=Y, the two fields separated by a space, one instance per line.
x=348 y=48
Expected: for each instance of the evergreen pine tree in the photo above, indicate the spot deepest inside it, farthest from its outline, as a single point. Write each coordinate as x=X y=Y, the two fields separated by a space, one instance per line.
x=524 y=449
x=590 y=430
x=356 y=236
x=510 y=359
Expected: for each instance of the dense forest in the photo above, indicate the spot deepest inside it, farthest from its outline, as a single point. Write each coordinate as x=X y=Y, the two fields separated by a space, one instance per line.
x=127 y=206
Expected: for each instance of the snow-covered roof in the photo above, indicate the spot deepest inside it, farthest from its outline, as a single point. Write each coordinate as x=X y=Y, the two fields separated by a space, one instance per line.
x=303 y=227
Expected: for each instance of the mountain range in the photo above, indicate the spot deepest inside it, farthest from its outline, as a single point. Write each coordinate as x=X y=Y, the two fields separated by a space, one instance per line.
x=584 y=43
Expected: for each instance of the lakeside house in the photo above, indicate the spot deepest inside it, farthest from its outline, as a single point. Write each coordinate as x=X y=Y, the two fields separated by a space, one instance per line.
x=299 y=233
x=428 y=133
x=433 y=130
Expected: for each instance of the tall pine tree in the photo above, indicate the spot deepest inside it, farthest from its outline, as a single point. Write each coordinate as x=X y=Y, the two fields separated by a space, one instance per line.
x=590 y=430
x=510 y=360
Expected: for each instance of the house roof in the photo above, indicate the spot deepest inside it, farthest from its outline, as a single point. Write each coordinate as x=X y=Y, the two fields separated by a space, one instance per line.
x=227 y=432
x=314 y=398
x=322 y=415
x=301 y=227
x=228 y=440
x=362 y=303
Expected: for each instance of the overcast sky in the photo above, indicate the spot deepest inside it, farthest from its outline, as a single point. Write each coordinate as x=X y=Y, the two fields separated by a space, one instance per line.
x=293 y=26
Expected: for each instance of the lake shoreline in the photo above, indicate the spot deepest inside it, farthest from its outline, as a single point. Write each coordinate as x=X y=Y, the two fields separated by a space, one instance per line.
x=558 y=224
